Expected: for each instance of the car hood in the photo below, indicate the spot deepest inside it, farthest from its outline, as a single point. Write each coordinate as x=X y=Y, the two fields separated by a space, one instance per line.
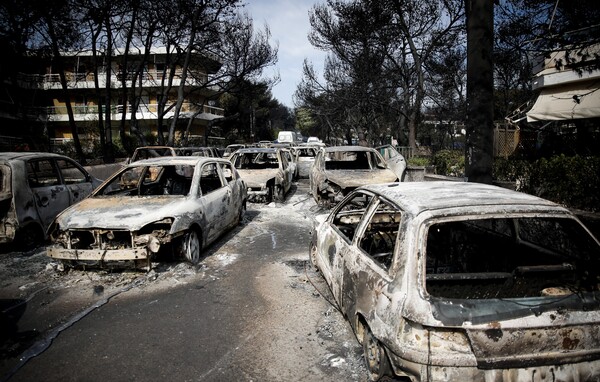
x=258 y=178
x=118 y=213
x=357 y=178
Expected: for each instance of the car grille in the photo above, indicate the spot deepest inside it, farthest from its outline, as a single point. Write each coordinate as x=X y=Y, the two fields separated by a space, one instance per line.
x=99 y=239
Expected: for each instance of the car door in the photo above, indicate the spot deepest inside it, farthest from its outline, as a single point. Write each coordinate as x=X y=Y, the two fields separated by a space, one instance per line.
x=394 y=160
x=284 y=166
x=50 y=195
x=234 y=197
x=75 y=179
x=365 y=283
x=215 y=198
x=315 y=173
x=336 y=239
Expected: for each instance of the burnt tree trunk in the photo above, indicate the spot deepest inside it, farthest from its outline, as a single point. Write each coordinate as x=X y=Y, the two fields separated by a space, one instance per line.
x=479 y=147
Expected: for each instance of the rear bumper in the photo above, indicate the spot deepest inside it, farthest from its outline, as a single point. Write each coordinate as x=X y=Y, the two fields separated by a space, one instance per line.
x=585 y=371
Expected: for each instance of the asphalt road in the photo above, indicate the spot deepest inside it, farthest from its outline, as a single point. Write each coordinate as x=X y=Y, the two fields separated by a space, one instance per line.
x=251 y=311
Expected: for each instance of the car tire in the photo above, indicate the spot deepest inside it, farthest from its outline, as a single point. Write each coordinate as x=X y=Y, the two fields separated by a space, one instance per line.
x=30 y=236
x=378 y=364
x=190 y=247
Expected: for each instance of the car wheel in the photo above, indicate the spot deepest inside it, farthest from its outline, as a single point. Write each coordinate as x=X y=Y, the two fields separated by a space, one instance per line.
x=30 y=236
x=241 y=213
x=313 y=253
x=279 y=194
x=190 y=247
x=377 y=362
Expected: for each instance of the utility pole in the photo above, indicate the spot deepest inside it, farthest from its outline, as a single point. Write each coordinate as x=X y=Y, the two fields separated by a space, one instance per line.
x=479 y=148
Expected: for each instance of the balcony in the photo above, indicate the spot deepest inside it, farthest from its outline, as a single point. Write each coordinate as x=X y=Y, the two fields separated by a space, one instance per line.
x=144 y=112
x=150 y=79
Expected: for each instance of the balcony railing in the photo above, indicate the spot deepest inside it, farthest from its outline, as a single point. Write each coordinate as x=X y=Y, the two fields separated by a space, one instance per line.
x=151 y=109
x=150 y=78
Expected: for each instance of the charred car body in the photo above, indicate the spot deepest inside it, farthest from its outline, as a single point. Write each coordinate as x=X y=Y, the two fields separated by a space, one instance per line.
x=184 y=201
x=266 y=171
x=305 y=157
x=338 y=170
x=464 y=282
x=34 y=188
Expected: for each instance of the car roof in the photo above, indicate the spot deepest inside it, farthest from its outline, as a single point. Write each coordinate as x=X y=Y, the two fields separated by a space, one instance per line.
x=417 y=197
x=255 y=150
x=176 y=160
x=347 y=148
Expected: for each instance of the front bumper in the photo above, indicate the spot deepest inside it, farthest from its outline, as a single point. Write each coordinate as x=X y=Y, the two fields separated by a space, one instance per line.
x=99 y=254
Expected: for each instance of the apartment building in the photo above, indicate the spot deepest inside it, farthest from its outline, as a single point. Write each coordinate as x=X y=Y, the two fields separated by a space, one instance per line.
x=43 y=100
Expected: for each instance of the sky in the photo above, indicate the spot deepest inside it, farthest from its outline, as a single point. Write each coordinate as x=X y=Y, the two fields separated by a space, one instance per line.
x=289 y=25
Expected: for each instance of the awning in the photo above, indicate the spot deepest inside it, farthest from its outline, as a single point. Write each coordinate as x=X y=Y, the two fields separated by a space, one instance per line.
x=572 y=101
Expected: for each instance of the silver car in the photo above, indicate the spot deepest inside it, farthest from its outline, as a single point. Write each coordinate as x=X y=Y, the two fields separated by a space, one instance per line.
x=266 y=171
x=340 y=169
x=185 y=202
x=451 y=281
x=34 y=188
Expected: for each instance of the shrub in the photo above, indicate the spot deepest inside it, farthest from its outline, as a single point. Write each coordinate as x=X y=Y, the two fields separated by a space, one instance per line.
x=449 y=163
x=571 y=181
x=419 y=161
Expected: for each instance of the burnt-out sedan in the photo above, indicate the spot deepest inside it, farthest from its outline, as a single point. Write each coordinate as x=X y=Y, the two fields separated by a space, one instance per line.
x=267 y=173
x=34 y=188
x=340 y=169
x=185 y=202
x=449 y=281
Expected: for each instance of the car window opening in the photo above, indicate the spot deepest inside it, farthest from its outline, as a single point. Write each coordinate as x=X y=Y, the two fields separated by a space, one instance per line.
x=380 y=236
x=259 y=161
x=347 y=161
x=510 y=258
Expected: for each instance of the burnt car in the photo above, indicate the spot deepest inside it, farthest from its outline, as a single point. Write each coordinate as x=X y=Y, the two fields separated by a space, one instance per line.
x=34 y=188
x=184 y=202
x=146 y=152
x=305 y=156
x=449 y=281
x=266 y=171
x=340 y=169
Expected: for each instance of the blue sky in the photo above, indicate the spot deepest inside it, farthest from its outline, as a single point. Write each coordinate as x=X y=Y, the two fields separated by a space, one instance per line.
x=289 y=25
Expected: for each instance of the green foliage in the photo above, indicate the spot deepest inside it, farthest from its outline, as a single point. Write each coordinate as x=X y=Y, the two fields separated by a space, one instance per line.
x=571 y=181
x=419 y=161
x=449 y=163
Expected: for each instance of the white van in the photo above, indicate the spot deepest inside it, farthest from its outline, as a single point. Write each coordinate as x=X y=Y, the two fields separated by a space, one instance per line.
x=287 y=137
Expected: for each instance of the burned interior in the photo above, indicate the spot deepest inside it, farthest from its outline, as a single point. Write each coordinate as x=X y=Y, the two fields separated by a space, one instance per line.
x=509 y=258
x=348 y=160
x=256 y=161
x=152 y=180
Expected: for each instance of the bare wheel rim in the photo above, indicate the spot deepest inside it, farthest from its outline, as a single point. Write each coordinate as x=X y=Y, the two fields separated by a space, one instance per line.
x=313 y=253
x=192 y=247
x=373 y=354
x=242 y=213
x=279 y=193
